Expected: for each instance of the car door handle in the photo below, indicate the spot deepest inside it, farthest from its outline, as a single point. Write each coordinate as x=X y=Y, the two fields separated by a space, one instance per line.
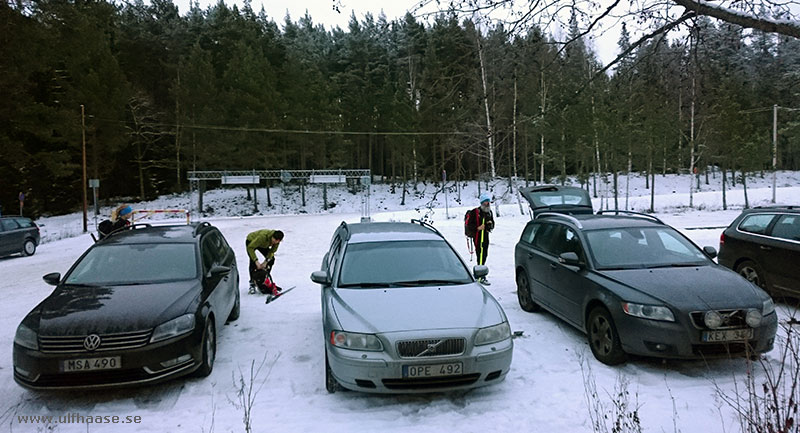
x=765 y=248
x=553 y=266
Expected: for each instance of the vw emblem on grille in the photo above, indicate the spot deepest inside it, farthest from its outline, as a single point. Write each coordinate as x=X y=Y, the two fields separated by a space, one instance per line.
x=91 y=342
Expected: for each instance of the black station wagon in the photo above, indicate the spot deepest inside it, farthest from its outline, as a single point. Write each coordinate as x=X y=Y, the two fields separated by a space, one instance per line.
x=635 y=285
x=140 y=306
x=763 y=245
x=18 y=235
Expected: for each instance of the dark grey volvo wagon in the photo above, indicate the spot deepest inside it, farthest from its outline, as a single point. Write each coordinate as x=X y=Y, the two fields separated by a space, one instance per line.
x=635 y=285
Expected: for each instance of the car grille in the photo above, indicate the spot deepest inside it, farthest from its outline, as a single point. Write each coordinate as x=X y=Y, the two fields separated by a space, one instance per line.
x=432 y=382
x=74 y=343
x=735 y=319
x=430 y=347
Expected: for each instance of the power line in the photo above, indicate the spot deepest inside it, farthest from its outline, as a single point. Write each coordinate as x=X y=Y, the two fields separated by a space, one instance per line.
x=287 y=131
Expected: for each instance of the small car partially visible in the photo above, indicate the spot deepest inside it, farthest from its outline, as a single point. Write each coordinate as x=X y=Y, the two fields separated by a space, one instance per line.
x=401 y=313
x=141 y=306
x=18 y=235
x=763 y=245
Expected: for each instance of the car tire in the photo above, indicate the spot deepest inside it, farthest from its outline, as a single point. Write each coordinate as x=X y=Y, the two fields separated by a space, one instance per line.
x=524 y=293
x=752 y=272
x=236 y=307
x=209 y=348
x=28 y=247
x=331 y=384
x=603 y=338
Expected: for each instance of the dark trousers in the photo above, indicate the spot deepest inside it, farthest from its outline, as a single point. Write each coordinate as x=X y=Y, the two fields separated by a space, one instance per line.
x=481 y=246
x=252 y=267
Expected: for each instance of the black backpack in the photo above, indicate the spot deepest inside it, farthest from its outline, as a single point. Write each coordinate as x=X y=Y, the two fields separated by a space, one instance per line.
x=104 y=228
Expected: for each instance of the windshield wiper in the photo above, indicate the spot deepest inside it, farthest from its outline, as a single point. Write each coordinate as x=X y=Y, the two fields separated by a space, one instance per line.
x=674 y=265
x=426 y=282
x=366 y=285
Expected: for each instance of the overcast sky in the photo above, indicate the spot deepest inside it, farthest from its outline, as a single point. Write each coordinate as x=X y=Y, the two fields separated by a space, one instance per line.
x=321 y=12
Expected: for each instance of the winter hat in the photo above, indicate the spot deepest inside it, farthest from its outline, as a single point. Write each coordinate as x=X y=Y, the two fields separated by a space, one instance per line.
x=485 y=197
x=126 y=210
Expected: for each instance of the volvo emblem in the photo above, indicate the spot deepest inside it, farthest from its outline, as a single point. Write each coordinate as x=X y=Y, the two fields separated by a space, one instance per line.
x=432 y=347
x=91 y=342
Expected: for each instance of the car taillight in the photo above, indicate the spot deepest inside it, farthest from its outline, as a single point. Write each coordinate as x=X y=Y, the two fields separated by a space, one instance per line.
x=722 y=239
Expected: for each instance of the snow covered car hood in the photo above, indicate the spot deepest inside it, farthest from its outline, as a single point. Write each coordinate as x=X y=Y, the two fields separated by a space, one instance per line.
x=378 y=310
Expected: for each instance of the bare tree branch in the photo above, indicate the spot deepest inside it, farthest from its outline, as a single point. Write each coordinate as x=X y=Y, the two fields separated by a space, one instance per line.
x=789 y=28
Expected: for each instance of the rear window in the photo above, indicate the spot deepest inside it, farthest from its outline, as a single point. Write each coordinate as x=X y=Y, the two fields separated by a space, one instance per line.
x=135 y=264
x=756 y=223
x=557 y=198
x=787 y=227
x=8 y=224
x=24 y=222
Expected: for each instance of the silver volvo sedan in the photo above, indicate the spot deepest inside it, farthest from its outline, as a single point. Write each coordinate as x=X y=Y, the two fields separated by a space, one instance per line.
x=401 y=313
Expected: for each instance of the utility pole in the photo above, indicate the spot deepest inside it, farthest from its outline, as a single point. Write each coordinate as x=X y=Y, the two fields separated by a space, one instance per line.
x=774 y=149
x=83 y=182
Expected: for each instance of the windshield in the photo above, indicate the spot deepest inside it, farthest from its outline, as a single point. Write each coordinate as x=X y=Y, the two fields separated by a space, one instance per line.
x=135 y=264
x=560 y=198
x=401 y=263
x=642 y=247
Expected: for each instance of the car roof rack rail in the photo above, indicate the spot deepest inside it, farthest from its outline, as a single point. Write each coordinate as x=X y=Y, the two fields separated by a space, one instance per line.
x=631 y=213
x=569 y=218
x=346 y=229
x=198 y=226
x=778 y=206
x=425 y=224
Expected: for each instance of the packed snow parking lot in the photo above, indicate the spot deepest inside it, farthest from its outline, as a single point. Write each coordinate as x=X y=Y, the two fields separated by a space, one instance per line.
x=270 y=363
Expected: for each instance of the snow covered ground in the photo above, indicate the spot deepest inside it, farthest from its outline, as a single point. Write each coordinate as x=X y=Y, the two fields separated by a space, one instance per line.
x=544 y=391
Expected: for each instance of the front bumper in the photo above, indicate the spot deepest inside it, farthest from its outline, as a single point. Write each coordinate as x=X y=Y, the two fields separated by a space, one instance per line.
x=683 y=340
x=143 y=365
x=382 y=372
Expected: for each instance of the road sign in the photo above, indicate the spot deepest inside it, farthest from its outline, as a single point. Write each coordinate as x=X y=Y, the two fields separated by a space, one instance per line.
x=94 y=183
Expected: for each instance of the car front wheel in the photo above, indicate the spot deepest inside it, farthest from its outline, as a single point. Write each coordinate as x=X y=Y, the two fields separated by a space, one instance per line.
x=752 y=273
x=524 y=293
x=28 y=248
x=330 y=382
x=236 y=307
x=604 y=339
x=209 y=348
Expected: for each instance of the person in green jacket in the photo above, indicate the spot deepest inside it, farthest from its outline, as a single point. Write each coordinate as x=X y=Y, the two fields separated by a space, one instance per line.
x=265 y=242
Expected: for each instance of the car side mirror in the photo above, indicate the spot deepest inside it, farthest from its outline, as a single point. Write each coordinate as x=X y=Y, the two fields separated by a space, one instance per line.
x=569 y=259
x=710 y=252
x=480 y=271
x=219 y=270
x=321 y=277
x=52 y=278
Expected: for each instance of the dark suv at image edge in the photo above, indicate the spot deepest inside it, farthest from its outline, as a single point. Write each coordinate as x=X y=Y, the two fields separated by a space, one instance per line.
x=763 y=245
x=18 y=235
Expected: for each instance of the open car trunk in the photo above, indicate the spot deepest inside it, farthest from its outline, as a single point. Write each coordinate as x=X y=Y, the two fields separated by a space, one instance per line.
x=553 y=198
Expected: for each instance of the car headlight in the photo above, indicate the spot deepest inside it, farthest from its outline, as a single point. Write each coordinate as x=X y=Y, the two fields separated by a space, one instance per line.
x=493 y=334
x=355 y=341
x=753 y=318
x=712 y=319
x=26 y=337
x=768 y=307
x=652 y=312
x=173 y=328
